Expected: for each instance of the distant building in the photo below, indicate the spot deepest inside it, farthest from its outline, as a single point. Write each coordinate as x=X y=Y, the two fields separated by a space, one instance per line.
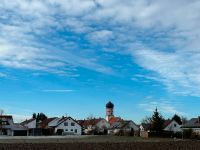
x=118 y=125
x=193 y=124
x=68 y=126
x=94 y=126
x=109 y=110
x=172 y=125
x=9 y=128
x=124 y=127
x=31 y=124
x=60 y=126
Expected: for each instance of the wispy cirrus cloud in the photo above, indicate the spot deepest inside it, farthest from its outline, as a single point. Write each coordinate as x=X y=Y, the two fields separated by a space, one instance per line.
x=58 y=90
x=164 y=106
x=58 y=36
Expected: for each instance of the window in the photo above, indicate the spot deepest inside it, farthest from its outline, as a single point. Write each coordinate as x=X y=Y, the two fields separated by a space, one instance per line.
x=75 y=130
x=72 y=130
x=174 y=125
x=72 y=124
x=66 y=124
x=66 y=130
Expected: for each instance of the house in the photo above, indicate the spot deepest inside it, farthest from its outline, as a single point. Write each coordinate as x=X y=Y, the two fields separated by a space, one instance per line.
x=124 y=127
x=193 y=124
x=9 y=128
x=68 y=126
x=31 y=124
x=6 y=125
x=172 y=125
x=94 y=126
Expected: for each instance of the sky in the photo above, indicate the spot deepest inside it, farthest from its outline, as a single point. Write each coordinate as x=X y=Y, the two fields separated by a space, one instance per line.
x=70 y=57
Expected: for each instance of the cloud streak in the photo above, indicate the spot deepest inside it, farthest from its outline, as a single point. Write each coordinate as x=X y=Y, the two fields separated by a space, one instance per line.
x=61 y=36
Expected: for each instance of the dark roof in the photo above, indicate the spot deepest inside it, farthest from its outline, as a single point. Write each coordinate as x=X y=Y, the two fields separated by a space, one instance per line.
x=27 y=121
x=45 y=123
x=121 y=124
x=193 y=123
x=85 y=123
x=6 y=116
x=109 y=105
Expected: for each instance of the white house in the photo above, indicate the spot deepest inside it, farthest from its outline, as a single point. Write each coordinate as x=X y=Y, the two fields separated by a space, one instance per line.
x=31 y=124
x=68 y=126
x=172 y=125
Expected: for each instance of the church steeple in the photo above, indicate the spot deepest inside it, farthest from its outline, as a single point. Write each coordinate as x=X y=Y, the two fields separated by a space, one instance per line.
x=109 y=110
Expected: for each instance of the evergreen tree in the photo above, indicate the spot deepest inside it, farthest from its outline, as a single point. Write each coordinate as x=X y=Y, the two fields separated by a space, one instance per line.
x=177 y=119
x=42 y=117
x=157 y=121
x=34 y=116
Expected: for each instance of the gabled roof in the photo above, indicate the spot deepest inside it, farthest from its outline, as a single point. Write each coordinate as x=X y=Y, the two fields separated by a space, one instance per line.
x=18 y=127
x=121 y=124
x=45 y=123
x=63 y=119
x=193 y=123
x=6 y=116
x=167 y=122
x=27 y=121
x=85 y=123
x=114 y=119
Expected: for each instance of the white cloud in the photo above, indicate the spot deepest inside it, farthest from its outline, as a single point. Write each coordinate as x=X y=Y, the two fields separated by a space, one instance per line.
x=164 y=106
x=161 y=36
x=20 y=118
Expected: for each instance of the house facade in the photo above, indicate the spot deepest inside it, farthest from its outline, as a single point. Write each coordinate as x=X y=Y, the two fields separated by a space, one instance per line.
x=68 y=126
x=172 y=125
x=6 y=125
x=31 y=124
x=9 y=128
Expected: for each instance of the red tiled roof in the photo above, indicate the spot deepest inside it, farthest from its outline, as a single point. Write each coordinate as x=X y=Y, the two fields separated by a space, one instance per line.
x=114 y=119
x=167 y=122
x=45 y=123
x=85 y=123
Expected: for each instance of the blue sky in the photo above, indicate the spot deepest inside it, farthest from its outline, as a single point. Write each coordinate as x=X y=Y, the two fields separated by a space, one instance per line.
x=70 y=57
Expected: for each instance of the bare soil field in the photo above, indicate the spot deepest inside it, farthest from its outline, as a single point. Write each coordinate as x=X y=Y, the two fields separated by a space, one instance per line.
x=96 y=143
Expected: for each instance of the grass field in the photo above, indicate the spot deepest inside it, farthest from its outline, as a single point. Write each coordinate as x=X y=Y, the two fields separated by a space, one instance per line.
x=95 y=143
x=79 y=139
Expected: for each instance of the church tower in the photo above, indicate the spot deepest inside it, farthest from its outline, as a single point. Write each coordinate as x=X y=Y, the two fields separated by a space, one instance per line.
x=109 y=110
